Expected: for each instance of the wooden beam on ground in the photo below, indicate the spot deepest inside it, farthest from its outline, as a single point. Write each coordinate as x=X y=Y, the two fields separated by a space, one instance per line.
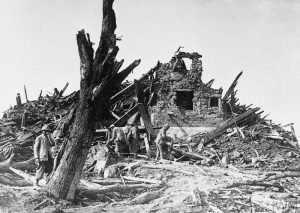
x=142 y=180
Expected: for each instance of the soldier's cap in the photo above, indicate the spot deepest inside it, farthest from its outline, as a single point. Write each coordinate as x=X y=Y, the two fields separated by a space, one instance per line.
x=130 y=122
x=46 y=128
x=166 y=126
x=111 y=126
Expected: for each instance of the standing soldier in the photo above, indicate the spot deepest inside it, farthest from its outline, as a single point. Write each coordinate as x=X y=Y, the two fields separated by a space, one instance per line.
x=161 y=141
x=42 y=154
x=118 y=137
x=133 y=139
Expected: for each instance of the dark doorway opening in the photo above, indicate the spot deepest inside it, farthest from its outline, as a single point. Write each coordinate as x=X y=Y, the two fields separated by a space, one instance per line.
x=184 y=99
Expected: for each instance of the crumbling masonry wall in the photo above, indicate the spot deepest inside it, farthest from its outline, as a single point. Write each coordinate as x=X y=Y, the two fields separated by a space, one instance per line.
x=182 y=98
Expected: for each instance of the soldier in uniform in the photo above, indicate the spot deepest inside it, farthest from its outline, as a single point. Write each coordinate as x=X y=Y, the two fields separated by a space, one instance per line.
x=42 y=154
x=118 y=137
x=133 y=139
x=161 y=141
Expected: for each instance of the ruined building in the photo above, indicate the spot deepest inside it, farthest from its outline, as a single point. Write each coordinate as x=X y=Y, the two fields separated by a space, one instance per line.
x=182 y=98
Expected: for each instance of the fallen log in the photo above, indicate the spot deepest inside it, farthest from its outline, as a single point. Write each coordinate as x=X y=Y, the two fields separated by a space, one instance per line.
x=117 y=188
x=142 y=180
x=133 y=166
x=24 y=165
x=26 y=176
x=111 y=181
x=146 y=197
x=11 y=180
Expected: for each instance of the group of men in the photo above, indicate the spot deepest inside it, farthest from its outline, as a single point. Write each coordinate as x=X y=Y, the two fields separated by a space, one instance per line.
x=125 y=138
x=129 y=137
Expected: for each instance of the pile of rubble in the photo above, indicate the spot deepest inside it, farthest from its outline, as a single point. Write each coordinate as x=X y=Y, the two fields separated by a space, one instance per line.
x=22 y=123
x=262 y=145
x=243 y=138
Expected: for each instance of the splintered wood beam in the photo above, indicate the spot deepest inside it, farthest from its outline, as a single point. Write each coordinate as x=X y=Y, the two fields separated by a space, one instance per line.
x=122 y=121
x=25 y=93
x=232 y=86
x=40 y=96
x=114 y=99
x=208 y=84
x=147 y=122
x=63 y=90
x=124 y=73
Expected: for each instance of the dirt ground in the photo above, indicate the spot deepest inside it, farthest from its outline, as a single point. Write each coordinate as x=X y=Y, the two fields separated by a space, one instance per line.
x=183 y=182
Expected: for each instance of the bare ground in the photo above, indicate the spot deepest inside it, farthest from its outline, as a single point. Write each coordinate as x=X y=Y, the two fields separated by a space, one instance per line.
x=187 y=188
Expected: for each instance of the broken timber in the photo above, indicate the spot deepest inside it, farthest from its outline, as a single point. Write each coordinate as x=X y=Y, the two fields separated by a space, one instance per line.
x=222 y=129
x=122 y=121
x=231 y=88
x=143 y=111
x=114 y=99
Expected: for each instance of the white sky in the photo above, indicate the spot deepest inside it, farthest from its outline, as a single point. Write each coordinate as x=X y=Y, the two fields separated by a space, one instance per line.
x=261 y=37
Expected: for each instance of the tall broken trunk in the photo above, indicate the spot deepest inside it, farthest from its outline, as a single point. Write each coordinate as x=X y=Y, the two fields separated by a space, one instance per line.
x=97 y=74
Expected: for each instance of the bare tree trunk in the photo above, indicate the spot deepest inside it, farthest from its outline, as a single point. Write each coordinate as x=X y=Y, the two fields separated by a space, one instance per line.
x=97 y=74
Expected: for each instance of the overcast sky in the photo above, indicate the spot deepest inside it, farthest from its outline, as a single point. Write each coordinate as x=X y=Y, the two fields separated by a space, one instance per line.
x=261 y=37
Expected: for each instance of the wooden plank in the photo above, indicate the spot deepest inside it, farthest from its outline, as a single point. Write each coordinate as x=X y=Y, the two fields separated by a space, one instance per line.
x=147 y=122
x=122 y=121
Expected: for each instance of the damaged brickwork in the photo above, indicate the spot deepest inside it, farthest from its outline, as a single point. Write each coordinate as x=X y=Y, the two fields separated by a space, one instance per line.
x=182 y=97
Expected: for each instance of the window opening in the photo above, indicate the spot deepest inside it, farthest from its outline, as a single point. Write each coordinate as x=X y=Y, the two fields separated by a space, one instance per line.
x=214 y=102
x=184 y=99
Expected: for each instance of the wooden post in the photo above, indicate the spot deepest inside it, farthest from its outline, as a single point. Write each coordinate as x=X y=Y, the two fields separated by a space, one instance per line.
x=25 y=93
x=40 y=96
x=147 y=122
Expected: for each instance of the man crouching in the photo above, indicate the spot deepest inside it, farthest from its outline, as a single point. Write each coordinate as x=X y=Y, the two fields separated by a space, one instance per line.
x=42 y=154
x=161 y=142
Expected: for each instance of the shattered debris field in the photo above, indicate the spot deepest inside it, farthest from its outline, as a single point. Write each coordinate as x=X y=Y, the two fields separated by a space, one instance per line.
x=167 y=142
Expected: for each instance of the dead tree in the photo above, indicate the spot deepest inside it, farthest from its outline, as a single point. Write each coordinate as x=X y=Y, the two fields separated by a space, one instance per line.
x=99 y=76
